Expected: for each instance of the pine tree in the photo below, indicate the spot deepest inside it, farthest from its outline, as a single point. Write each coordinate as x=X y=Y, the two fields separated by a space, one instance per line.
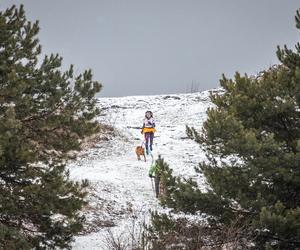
x=252 y=140
x=44 y=113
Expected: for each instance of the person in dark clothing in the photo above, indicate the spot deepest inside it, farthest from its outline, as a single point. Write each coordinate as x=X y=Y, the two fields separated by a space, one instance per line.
x=155 y=172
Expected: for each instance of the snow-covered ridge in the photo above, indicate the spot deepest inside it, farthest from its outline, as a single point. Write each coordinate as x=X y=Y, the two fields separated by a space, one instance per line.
x=120 y=187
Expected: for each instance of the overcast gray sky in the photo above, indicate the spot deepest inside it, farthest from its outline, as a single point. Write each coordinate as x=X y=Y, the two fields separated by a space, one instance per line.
x=139 y=47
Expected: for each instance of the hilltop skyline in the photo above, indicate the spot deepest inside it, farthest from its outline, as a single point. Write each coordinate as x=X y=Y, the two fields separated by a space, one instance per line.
x=163 y=47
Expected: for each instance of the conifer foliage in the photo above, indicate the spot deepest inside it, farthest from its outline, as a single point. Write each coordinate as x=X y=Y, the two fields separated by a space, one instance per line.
x=44 y=113
x=252 y=140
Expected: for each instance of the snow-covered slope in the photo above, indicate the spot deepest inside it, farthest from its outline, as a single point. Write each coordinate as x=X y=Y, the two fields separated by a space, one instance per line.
x=121 y=191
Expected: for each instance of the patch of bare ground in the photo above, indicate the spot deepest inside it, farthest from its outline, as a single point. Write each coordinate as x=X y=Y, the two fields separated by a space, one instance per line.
x=105 y=133
x=101 y=212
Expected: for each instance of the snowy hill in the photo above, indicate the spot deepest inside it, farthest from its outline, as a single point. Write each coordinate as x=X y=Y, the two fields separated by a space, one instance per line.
x=121 y=192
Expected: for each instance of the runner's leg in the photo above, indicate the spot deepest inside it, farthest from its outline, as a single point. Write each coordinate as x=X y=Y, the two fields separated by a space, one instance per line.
x=151 y=140
x=147 y=142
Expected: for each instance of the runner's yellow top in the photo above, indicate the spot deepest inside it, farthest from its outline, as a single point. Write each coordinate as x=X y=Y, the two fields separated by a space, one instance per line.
x=149 y=130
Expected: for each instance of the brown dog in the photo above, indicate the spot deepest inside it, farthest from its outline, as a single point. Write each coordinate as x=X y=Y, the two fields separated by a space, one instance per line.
x=140 y=151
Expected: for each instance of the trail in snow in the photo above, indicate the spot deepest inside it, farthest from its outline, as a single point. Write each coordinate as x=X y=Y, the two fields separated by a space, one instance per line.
x=121 y=190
